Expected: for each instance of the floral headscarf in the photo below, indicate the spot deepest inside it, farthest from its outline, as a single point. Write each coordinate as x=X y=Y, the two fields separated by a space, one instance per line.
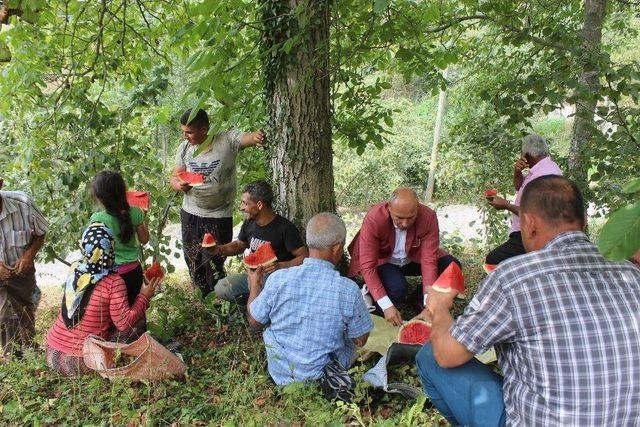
x=97 y=248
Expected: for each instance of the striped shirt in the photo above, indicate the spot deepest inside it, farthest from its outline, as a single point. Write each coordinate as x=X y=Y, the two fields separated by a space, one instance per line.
x=566 y=328
x=107 y=307
x=20 y=220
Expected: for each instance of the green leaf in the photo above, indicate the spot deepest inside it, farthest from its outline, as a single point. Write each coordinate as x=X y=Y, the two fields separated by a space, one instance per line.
x=380 y=5
x=620 y=236
x=632 y=186
x=195 y=108
x=204 y=146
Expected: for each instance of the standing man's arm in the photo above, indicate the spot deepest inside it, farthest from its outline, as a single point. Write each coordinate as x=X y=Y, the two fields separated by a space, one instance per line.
x=26 y=262
x=175 y=182
x=179 y=166
x=39 y=228
x=252 y=139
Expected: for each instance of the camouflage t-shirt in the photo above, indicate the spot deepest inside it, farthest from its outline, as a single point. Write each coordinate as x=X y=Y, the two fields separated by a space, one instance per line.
x=213 y=199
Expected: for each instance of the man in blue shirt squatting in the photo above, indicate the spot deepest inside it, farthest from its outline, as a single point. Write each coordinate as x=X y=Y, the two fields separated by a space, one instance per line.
x=564 y=323
x=313 y=316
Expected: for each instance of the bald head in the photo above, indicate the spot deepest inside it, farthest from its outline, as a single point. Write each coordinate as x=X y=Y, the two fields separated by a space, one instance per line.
x=403 y=207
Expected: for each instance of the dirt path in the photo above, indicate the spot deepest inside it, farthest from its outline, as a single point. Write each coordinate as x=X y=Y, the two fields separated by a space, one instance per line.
x=452 y=218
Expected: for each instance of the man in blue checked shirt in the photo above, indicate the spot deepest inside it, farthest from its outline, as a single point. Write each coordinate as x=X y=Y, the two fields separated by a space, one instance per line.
x=312 y=315
x=564 y=322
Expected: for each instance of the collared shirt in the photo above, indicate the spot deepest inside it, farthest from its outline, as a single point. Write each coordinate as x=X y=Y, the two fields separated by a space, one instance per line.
x=312 y=313
x=566 y=328
x=399 y=254
x=545 y=166
x=20 y=220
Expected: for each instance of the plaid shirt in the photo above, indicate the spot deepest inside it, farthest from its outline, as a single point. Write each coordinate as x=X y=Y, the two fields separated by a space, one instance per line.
x=566 y=327
x=20 y=220
x=311 y=312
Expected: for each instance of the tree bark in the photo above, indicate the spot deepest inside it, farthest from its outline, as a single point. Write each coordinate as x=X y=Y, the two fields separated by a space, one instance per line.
x=584 y=126
x=296 y=66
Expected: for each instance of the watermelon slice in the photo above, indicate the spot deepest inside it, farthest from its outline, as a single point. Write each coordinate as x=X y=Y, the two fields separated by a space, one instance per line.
x=208 y=241
x=415 y=331
x=139 y=199
x=263 y=256
x=488 y=268
x=450 y=279
x=194 y=179
x=490 y=193
x=154 y=271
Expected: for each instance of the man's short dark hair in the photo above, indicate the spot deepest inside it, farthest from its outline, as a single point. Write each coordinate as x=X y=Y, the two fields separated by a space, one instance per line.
x=556 y=199
x=259 y=191
x=200 y=120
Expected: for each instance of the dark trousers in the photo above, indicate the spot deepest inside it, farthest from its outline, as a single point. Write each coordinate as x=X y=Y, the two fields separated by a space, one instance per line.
x=395 y=283
x=205 y=270
x=133 y=281
x=17 y=312
x=509 y=249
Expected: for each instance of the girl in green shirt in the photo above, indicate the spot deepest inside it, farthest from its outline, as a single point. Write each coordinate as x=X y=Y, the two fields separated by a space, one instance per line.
x=127 y=225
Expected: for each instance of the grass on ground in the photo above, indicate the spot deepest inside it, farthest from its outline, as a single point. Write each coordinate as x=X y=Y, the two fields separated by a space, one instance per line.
x=227 y=381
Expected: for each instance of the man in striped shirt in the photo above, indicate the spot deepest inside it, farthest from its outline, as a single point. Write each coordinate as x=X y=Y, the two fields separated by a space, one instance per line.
x=22 y=234
x=564 y=323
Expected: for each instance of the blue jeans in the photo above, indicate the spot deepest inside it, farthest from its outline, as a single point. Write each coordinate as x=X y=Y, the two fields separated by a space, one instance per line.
x=469 y=395
x=234 y=287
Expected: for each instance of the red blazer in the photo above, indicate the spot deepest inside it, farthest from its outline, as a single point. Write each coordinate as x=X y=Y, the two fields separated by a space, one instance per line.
x=374 y=243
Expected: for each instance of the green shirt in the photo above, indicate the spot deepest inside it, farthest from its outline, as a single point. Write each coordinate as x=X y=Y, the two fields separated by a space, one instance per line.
x=125 y=252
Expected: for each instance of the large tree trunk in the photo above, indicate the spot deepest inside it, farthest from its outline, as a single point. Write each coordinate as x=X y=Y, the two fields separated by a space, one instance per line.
x=584 y=126
x=297 y=92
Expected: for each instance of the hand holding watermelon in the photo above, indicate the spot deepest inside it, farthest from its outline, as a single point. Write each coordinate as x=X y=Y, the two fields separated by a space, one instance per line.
x=498 y=203
x=149 y=287
x=490 y=193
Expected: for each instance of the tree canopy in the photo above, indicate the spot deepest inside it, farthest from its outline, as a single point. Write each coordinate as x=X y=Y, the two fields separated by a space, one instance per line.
x=90 y=85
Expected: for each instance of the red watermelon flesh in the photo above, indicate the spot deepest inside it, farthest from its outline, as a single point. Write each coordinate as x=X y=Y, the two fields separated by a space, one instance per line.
x=263 y=256
x=192 y=178
x=414 y=332
x=450 y=279
x=139 y=199
x=208 y=240
x=490 y=193
x=488 y=268
x=154 y=271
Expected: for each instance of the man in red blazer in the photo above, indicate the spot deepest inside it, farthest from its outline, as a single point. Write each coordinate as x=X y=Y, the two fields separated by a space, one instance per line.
x=398 y=238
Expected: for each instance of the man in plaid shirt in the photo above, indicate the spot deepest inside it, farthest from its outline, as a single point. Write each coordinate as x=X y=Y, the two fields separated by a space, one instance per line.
x=564 y=323
x=313 y=315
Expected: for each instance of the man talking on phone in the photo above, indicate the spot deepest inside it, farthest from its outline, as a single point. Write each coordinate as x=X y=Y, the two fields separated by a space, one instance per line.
x=535 y=157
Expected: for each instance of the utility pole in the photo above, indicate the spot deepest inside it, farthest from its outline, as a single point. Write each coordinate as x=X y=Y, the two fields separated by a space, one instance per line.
x=442 y=102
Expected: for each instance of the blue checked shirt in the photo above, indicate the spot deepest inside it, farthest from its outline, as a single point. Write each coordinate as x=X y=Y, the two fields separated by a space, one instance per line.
x=566 y=328
x=311 y=313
